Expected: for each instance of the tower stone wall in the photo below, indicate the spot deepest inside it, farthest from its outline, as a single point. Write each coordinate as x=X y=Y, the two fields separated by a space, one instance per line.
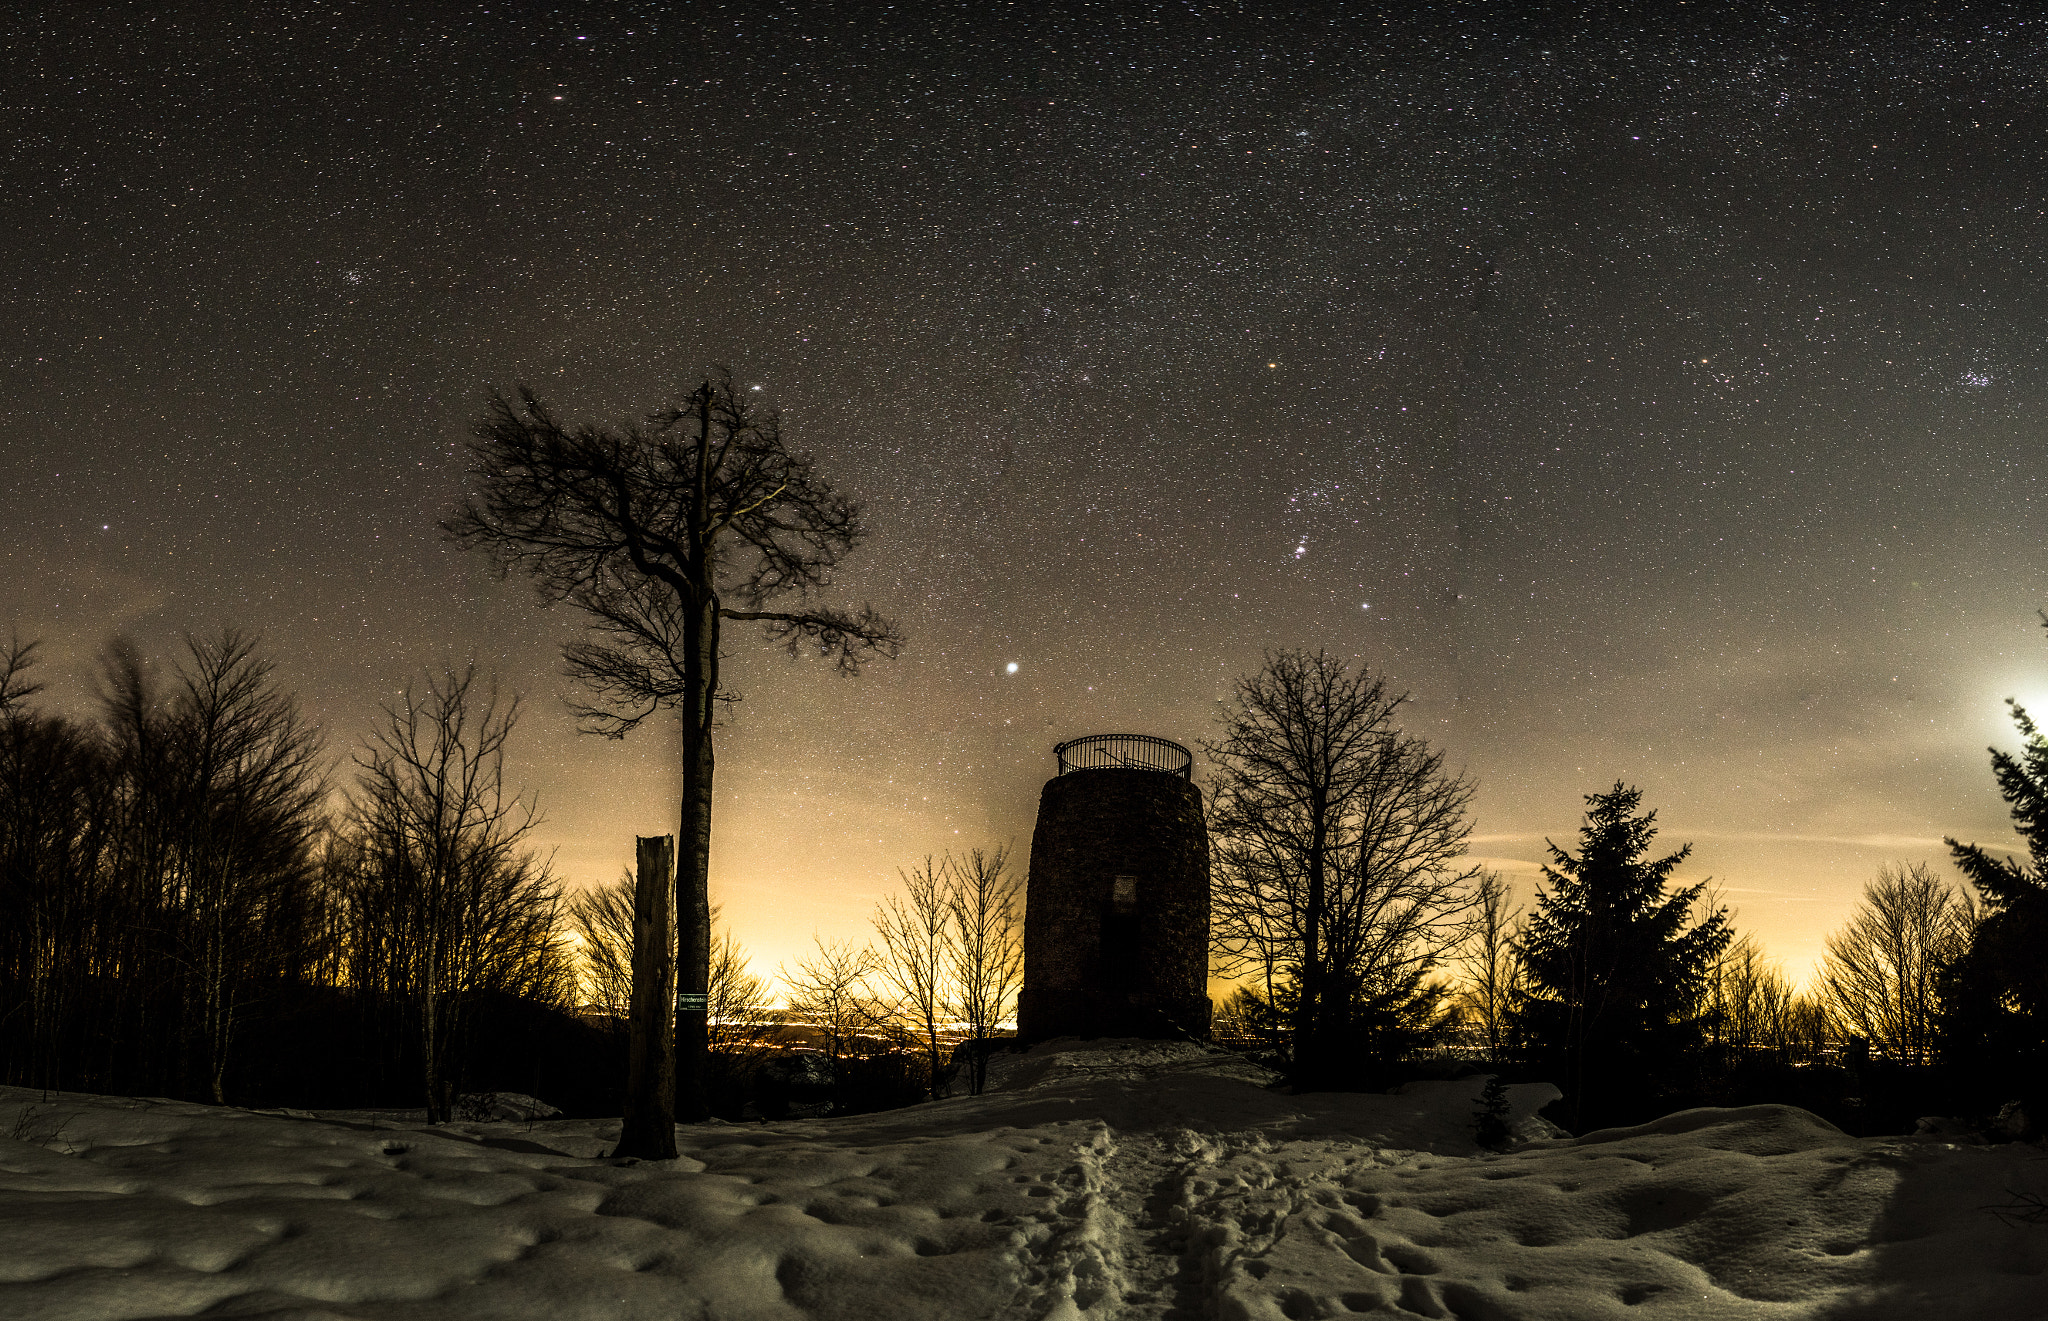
x=1116 y=918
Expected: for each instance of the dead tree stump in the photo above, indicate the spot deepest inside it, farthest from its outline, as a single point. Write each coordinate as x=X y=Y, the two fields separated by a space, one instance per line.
x=648 y=1128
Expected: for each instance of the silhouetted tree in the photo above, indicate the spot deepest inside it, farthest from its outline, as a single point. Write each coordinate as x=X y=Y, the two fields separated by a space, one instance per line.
x=1495 y=982
x=1883 y=969
x=987 y=957
x=1490 y=1116
x=1997 y=1024
x=662 y=533
x=950 y=952
x=744 y=1027
x=15 y=685
x=222 y=794
x=158 y=872
x=446 y=903
x=602 y=918
x=1616 y=963
x=55 y=903
x=1247 y=1015
x=916 y=953
x=1337 y=845
x=1750 y=1005
x=832 y=993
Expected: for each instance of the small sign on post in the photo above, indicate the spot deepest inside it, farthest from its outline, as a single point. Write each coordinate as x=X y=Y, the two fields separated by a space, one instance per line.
x=693 y=1002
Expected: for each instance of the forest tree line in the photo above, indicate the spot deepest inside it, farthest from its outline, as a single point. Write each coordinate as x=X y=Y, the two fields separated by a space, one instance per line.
x=198 y=898
x=196 y=901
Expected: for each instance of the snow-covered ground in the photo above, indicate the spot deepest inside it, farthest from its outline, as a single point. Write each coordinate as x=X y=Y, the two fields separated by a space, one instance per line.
x=1099 y=1180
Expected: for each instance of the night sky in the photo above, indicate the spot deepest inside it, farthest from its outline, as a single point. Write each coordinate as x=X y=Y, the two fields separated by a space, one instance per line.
x=1655 y=398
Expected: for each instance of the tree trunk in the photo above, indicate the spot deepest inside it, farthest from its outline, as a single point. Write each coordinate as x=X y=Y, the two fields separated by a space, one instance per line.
x=693 y=873
x=1310 y=1032
x=648 y=1128
x=438 y=1109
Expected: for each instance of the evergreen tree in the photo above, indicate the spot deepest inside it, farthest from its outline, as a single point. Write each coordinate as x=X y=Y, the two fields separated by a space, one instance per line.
x=1490 y=1116
x=1995 y=1010
x=1616 y=963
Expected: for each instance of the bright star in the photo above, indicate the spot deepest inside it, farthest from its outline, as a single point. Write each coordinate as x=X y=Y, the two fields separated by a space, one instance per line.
x=1011 y=668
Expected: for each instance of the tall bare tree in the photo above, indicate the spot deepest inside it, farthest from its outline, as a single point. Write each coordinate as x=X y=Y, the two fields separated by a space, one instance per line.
x=661 y=533
x=1337 y=839
x=602 y=918
x=254 y=789
x=982 y=906
x=1401 y=901
x=16 y=687
x=1883 y=969
x=1290 y=766
x=447 y=901
x=1491 y=964
x=157 y=873
x=917 y=951
x=1749 y=1001
x=1248 y=934
x=1753 y=1009
x=221 y=795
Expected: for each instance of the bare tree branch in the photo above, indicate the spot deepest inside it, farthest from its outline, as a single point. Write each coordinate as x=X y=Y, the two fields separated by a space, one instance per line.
x=15 y=685
x=845 y=637
x=831 y=993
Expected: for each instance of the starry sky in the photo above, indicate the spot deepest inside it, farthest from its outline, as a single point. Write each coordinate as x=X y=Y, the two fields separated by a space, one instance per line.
x=1654 y=395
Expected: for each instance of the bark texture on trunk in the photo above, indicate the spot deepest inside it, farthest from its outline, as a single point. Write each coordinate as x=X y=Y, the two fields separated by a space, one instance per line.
x=693 y=878
x=648 y=1129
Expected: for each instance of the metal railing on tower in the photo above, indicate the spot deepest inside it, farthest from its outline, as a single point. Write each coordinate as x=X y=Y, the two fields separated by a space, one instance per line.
x=1136 y=752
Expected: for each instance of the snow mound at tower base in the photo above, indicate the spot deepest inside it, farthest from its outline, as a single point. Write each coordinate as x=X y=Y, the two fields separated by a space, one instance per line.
x=1103 y=1179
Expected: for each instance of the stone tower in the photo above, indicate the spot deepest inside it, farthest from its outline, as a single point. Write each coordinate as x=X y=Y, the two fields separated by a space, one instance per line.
x=1116 y=916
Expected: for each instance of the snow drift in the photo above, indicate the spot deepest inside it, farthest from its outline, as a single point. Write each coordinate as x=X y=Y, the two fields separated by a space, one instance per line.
x=1097 y=1180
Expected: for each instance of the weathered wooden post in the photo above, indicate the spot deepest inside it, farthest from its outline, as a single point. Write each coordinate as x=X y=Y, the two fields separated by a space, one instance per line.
x=648 y=1128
